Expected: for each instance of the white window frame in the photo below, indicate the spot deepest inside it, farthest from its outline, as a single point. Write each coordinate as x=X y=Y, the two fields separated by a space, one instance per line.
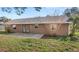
x=13 y=26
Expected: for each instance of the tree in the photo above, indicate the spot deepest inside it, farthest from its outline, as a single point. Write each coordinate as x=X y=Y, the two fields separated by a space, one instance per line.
x=18 y=10
x=73 y=19
x=73 y=14
x=4 y=19
x=56 y=12
x=71 y=11
x=67 y=12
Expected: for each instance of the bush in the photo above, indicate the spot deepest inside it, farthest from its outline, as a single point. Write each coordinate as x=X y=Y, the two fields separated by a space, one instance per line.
x=8 y=30
x=71 y=35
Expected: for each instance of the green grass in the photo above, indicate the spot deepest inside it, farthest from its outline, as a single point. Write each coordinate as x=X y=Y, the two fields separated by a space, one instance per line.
x=3 y=32
x=77 y=33
x=13 y=44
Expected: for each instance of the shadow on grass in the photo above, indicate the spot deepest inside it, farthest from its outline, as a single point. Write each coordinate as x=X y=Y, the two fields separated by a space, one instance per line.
x=62 y=38
x=4 y=32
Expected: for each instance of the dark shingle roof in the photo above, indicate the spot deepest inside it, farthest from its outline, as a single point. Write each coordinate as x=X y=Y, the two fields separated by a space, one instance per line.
x=48 y=19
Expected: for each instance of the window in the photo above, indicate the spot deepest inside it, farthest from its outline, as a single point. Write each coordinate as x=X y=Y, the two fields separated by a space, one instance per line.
x=54 y=27
x=36 y=25
x=14 y=26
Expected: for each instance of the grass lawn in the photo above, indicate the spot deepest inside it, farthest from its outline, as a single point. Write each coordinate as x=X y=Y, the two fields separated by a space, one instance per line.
x=77 y=33
x=13 y=44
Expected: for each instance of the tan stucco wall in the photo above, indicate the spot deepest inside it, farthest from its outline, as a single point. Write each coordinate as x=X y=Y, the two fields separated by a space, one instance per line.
x=42 y=28
x=58 y=29
x=62 y=29
x=18 y=28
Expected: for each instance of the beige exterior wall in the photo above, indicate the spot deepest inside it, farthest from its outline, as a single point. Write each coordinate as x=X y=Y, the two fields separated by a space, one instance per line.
x=42 y=28
x=49 y=29
x=62 y=29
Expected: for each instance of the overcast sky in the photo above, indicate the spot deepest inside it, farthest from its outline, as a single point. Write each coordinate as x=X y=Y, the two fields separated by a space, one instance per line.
x=30 y=12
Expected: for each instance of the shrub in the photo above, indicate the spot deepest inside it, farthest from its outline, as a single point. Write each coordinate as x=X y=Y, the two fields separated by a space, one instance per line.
x=8 y=30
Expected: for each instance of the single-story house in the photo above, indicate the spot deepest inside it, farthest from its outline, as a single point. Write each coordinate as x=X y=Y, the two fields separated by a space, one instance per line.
x=2 y=26
x=2 y=23
x=49 y=25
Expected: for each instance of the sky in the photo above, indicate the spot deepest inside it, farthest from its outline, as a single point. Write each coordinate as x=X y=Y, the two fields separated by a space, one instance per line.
x=30 y=12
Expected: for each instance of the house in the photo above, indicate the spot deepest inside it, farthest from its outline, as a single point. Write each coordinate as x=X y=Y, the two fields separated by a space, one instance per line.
x=2 y=21
x=2 y=26
x=49 y=25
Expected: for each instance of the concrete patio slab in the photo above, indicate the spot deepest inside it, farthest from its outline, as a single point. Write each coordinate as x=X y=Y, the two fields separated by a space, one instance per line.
x=26 y=35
